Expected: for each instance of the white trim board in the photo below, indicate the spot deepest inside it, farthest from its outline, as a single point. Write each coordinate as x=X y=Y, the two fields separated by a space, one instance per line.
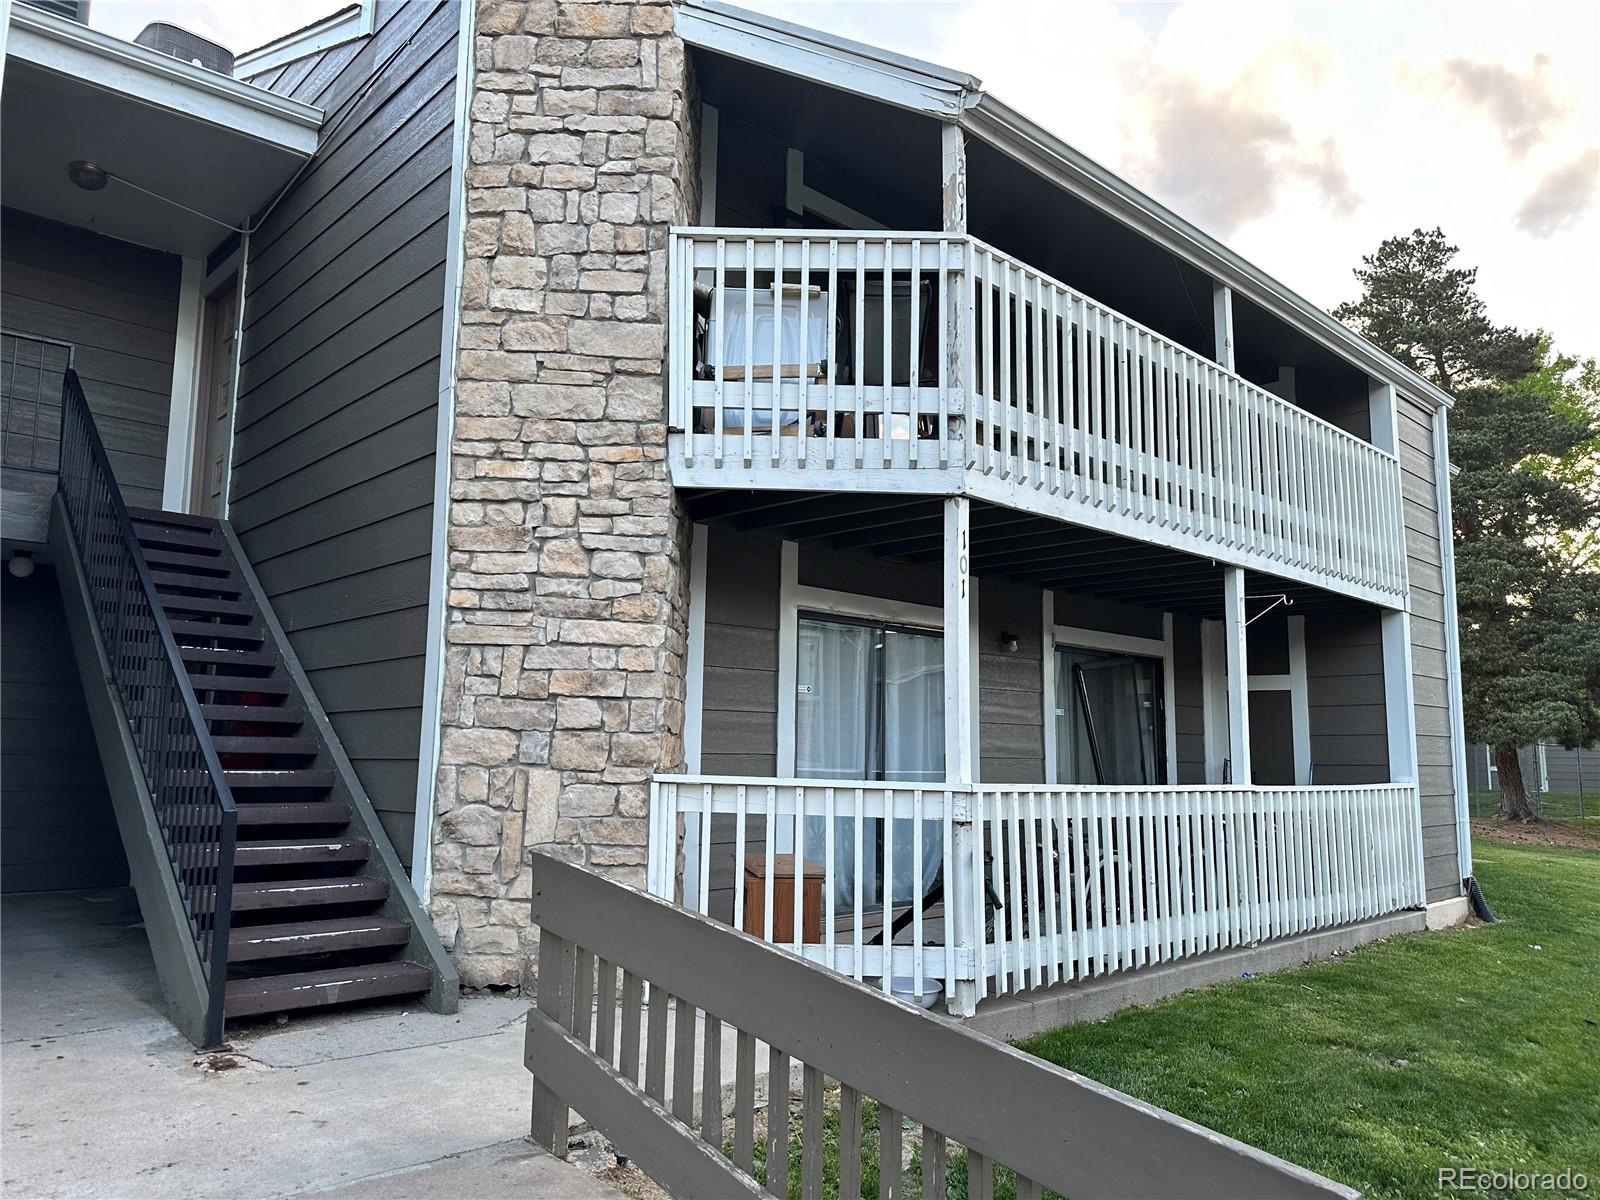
x=823 y=58
x=1117 y=643
x=710 y=137
x=1452 y=641
x=183 y=414
x=161 y=81
x=334 y=30
x=788 y=654
x=799 y=198
x=242 y=282
x=695 y=659
x=444 y=431
x=1297 y=685
x=867 y=608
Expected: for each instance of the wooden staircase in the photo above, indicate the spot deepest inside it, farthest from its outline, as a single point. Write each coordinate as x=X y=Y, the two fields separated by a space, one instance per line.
x=315 y=918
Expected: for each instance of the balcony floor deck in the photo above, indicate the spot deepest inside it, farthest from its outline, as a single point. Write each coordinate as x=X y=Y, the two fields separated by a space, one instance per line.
x=1006 y=543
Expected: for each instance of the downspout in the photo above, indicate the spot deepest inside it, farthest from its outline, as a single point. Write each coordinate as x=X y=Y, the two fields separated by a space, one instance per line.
x=1452 y=642
x=450 y=322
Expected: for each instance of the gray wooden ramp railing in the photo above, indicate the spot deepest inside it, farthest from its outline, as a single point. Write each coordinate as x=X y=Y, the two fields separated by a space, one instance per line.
x=614 y=963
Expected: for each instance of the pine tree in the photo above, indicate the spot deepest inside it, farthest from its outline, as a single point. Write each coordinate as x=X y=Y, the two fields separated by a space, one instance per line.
x=1529 y=605
x=1426 y=313
x=1525 y=434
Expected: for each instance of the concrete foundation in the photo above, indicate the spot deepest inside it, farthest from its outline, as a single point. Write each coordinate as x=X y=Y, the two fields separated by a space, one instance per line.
x=1446 y=914
x=1016 y=1017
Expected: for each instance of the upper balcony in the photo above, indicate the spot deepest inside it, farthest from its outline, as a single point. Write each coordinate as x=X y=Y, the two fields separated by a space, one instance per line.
x=880 y=361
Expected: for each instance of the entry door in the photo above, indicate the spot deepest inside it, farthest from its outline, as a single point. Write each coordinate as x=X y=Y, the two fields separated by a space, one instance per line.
x=216 y=413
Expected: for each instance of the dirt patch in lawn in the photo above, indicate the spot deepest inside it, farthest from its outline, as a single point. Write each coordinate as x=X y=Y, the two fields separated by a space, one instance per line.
x=1585 y=835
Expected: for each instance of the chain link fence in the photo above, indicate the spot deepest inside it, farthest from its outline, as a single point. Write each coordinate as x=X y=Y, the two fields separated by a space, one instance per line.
x=1563 y=785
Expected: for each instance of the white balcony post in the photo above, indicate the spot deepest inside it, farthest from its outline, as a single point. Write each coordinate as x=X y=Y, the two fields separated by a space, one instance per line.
x=1222 y=319
x=958 y=288
x=1233 y=632
x=958 y=752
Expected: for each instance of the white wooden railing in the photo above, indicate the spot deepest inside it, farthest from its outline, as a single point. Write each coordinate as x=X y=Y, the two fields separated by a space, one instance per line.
x=1096 y=880
x=1033 y=393
x=1065 y=883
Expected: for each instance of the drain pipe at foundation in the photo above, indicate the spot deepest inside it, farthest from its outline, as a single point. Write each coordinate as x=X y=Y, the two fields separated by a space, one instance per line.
x=1480 y=906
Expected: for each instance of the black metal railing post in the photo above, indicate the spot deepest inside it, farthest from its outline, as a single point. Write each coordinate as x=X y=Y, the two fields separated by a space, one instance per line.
x=193 y=806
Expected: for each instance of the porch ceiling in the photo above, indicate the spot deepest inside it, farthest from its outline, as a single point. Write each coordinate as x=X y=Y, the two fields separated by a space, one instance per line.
x=205 y=141
x=1006 y=544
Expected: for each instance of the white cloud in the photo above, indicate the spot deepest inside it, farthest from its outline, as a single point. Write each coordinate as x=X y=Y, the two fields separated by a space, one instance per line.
x=1520 y=105
x=1561 y=197
x=1306 y=133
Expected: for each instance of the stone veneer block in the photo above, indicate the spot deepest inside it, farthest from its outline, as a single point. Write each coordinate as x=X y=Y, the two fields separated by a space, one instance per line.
x=565 y=643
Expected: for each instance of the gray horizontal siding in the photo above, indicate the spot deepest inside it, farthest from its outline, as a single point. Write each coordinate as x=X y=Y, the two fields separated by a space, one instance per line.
x=1189 y=694
x=739 y=695
x=1011 y=725
x=1346 y=698
x=1429 y=664
x=57 y=828
x=332 y=480
x=117 y=304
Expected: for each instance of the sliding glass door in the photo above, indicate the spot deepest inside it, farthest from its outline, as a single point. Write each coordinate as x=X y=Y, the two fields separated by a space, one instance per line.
x=870 y=706
x=1110 y=718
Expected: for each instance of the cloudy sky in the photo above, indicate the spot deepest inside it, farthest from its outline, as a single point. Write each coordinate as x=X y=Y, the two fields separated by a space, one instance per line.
x=1301 y=132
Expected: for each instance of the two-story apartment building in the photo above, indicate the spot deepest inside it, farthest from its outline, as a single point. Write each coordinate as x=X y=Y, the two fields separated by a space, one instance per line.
x=761 y=466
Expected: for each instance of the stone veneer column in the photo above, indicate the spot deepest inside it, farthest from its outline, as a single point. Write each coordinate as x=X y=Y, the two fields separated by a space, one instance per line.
x=565 y=642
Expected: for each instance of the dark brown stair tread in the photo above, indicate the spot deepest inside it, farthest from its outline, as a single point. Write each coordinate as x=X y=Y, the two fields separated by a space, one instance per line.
x=206 y=604
x=210 y=631
x=167 y=581
x=156 y=516
x=227 y=656
x=260 y=685
x=301 y=893
x=310 y=989
x=166 y=535
x=301 y=850
x=263 y=714
x=279 y=779
x=250 y=943
x=253 y=714
x=157 y=557
x=265 y=744
x=311 y=812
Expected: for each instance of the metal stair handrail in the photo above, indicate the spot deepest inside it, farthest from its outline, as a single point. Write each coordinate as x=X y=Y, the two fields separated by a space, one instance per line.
x=192 y=803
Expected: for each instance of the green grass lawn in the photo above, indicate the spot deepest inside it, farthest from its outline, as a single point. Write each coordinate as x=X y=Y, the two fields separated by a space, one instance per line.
x=1477 y=1047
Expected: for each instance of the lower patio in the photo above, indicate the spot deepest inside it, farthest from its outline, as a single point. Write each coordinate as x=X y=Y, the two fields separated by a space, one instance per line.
x=968 y=753
x=103 y=1097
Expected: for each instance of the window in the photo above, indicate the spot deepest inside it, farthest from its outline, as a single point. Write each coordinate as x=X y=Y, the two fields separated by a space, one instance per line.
x=869 y=705
x=1110 y=718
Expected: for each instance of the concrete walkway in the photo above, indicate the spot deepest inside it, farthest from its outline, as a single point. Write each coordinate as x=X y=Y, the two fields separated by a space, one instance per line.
x=103 y=1098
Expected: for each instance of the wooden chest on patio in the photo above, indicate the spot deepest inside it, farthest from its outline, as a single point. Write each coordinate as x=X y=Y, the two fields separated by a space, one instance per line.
x=783 y=872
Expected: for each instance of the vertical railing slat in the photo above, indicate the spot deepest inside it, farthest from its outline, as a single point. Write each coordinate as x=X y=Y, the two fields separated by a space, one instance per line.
x=777 y=1122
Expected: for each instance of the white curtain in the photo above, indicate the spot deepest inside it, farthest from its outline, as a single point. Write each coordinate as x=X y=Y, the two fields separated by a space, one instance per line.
x=870 y=706
x=913 y=749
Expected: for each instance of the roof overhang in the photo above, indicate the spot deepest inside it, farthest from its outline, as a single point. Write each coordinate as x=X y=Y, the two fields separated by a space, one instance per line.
x=351 y=22
x=832 y=61
x=956 y=97
x=205 y=140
